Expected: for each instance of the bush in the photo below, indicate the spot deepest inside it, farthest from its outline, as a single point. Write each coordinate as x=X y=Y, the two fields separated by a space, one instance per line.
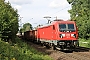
x=84 y=43
x=19 y=51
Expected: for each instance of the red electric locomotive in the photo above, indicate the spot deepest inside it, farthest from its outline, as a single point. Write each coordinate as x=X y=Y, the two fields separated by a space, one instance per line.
x=61 y=34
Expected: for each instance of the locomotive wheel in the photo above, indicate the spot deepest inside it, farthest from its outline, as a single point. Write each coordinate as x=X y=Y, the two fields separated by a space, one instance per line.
x=47 y=46
x=53 y=47
x=78 y=44
x=42 y=44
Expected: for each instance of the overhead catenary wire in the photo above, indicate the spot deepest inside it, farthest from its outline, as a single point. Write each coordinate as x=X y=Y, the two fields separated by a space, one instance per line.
x=57 y=12
x=60 y=10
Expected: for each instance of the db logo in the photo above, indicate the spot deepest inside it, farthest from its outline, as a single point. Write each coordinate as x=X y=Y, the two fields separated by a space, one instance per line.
x=68 y=35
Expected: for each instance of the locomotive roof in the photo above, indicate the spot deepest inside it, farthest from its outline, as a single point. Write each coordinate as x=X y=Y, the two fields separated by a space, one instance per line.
x=56 y=21
x=62 y=21
x=44 y=25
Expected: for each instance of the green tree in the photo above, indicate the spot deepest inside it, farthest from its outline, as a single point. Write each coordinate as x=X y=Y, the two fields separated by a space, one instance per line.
x=8 y=21
x=26 y=27
x=80 y=13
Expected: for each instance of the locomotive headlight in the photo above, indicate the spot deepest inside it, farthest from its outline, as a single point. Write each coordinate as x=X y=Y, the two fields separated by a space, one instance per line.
x=62 y=35
x=73 y=35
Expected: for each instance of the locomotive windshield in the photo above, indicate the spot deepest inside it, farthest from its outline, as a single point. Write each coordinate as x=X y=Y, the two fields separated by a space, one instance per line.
x=66 y=27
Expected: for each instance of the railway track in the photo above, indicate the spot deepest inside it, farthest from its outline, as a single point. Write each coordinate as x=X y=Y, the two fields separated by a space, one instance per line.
x=85 y=55
x=80 y=53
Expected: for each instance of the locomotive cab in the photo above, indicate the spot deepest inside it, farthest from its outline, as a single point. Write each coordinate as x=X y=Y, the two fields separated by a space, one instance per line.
x=67 y=35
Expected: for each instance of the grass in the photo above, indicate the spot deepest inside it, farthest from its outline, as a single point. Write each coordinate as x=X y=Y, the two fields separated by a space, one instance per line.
x=84 y=43
x=20 y=51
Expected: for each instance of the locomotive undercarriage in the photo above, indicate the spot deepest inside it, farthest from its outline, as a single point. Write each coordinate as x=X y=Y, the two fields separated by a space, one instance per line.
x=68 y=44
x=62 y=44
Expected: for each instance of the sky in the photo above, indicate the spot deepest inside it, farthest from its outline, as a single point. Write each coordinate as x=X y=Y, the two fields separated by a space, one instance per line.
x=34 y=11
